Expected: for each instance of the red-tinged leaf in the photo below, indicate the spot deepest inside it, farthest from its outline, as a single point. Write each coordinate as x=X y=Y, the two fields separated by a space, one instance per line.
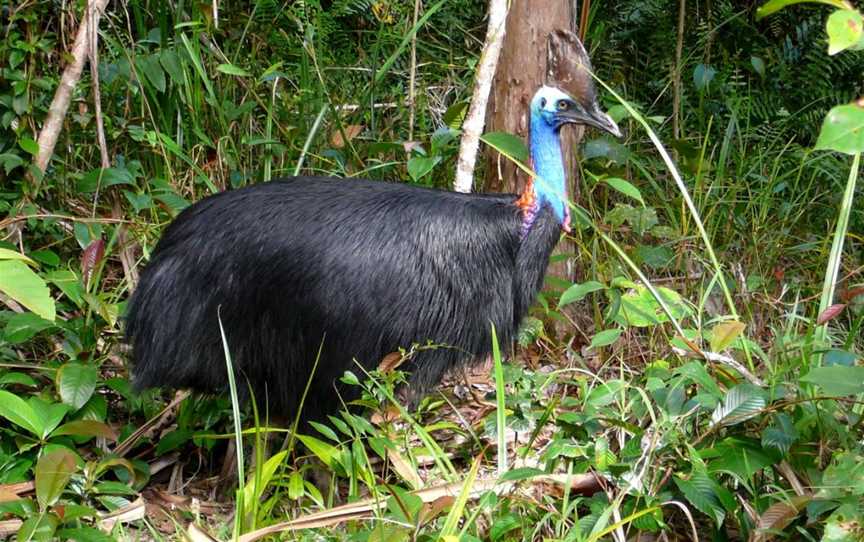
x=90 y=258
x=830 y=313
x=849 y=295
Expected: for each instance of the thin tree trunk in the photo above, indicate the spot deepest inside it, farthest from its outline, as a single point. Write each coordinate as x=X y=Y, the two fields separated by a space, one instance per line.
x=63 y=96
x=472 y=128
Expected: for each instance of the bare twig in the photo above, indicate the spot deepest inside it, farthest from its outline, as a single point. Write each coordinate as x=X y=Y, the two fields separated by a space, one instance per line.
x=472 y=128
x=676 y=92
x=413 y=74
x=93 y=45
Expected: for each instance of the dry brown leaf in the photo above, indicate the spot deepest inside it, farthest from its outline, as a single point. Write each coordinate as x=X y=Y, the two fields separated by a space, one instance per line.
x=404 y=469
x=131 y=512
x=13 y=492
x=389 y=414
x=197 y=534
x=391 y=362
x=410 y=146
x=10 y=527
x=432 y=510
x=724 y=333
x=351 y=131
x=778 y=516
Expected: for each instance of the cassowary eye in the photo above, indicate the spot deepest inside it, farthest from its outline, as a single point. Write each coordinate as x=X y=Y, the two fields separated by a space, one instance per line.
x=542 y=102
x=563 y=105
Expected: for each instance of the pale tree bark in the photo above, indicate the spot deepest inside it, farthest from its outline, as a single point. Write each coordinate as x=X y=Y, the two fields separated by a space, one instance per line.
x=521 y=71
x=85 y=47
x=472 y=127
x=63 y=96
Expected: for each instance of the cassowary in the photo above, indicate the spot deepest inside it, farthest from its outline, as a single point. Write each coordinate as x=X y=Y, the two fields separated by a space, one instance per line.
x=354 y=268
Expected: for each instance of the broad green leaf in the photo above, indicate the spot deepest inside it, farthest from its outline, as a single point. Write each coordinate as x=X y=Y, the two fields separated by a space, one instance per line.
x=170 y=61
x=231 y=69
x=504 y=524
x=781 y=435
x=173 y=440
x=640 y=309
x=86 y=428
x=17 y=411
x=741 y=403
x=605 y=394
x=625 y=188
x=39 y=528
x=83 y=534
x=843 y=129
x=23 y=326
x=837 y=380
x=703 y=75
x=758 y=65
x=10 y=161
x=605 y=337
x=507 y=144
x=76 y=383
x=845 y=28
x=18 y=379
x=50 y=414
x=98 y=179
x=741 y=457
x=699 y=490
x=724 y=334
x=153 y=70
x=295 y=485
x=696 y=372
x=578 y=291
x=69 y=283
x=420 y=166
x=325 y=452
x=29 y=146
x=26 y=287
x=6 y=254
x=773 y=6
x=53 y=472
x=260 y=482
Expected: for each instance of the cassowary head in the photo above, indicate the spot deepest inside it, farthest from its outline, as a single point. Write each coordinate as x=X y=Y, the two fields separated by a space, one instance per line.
x=568 y=97
x=556 y=108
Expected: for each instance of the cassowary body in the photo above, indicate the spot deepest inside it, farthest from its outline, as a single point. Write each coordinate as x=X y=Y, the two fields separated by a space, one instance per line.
x=355 y=268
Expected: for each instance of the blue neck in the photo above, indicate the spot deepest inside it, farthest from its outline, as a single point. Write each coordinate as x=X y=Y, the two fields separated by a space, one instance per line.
x=551 y=187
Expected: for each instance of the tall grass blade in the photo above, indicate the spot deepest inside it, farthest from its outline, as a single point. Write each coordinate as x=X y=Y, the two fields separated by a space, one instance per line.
x=833 y=270
x=309 y=139
x=238 y=432
x=501 y=414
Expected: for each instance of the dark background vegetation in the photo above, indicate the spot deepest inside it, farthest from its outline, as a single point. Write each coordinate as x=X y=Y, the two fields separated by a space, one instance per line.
x=190 y=108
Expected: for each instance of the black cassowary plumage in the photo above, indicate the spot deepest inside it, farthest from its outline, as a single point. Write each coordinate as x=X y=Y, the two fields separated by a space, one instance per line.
x=361 y=267
x=355 y=268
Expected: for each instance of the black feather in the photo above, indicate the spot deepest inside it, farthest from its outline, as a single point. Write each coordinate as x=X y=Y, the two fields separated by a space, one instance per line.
x=361 y=267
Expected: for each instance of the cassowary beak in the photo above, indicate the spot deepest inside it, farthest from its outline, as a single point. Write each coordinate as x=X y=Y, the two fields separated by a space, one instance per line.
x=594 y=118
